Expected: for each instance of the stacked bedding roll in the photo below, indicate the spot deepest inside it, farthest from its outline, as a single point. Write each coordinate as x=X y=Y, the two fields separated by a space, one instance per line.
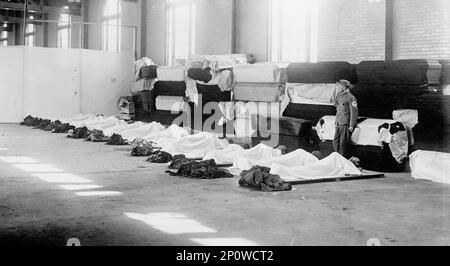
x=258 y=90
x=169 y=94
x=311 y=88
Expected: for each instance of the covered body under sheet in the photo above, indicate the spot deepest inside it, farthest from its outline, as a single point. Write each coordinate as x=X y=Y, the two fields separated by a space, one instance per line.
x=432 y=166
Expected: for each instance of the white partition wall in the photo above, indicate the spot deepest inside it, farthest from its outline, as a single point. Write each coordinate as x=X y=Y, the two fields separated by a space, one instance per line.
x=105 y=77
x=52 y=82
x=11 y=84
x=55 y=83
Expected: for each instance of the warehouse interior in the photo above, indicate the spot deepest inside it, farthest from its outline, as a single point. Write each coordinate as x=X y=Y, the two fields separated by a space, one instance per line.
x=219 y=122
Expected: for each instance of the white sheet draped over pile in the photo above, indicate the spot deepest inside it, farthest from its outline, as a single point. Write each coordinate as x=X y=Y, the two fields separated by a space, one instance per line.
x=297 y=165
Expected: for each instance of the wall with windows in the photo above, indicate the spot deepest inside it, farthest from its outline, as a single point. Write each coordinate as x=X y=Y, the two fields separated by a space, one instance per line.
x=130 y=14
x=211 y=34
x=422 y=29
x=352 y=30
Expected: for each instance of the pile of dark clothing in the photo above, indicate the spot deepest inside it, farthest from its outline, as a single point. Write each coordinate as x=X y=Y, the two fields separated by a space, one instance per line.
x=62 y=128
x=52 y=125
x=117 y=140
x=142 y=149
x=28 y=121
x=44 y=123
x=97 y=136
x=201 y=170
x=178 y=161
x=159 y=157
x=260 y=178
x=79 y=133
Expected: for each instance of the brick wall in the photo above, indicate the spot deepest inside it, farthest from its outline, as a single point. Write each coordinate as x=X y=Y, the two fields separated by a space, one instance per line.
x=351 y=30
x=213 y=28
x=252 y=28
x=421 y=29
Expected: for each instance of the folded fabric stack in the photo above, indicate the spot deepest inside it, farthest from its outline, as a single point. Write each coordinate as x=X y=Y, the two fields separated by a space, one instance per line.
x=145 y=75
x=209 y=84
x=258 y=90
x=311 y=88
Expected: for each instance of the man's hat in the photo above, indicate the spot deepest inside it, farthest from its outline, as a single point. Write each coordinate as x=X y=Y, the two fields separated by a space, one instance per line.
x=345 y=83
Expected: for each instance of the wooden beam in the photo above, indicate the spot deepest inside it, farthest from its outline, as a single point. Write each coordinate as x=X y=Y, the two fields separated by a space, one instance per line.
x=389 y=38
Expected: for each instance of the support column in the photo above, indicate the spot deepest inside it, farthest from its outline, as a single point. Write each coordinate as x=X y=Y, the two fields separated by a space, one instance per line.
x=389 y=46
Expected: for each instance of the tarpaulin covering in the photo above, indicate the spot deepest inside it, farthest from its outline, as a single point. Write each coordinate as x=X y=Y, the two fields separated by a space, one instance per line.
x=432 y=166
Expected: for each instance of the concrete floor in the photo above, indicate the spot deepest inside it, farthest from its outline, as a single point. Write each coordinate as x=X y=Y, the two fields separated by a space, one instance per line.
x=156 y=209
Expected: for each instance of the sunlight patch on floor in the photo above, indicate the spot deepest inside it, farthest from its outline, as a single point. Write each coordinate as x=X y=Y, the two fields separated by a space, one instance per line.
x=17 y=159
x=62 y=178
x=171 y=223
x=38 y=168
x=98 y=193
x=79 y=187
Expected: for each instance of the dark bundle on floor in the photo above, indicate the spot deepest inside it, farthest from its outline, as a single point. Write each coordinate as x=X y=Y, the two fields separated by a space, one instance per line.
x=44 y=123
x=62 y=128
x=117 y=140
x=79 y=133
x=52 y=125
x=178 y=161
x=260 y=178
x=201 y=170
x=97 y=136
x=36 y=122
x=142 y=149
x=159 y=157
x=28 y=121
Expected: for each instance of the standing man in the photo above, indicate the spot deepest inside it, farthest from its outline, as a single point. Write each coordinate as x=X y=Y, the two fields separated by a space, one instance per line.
x=346 y=117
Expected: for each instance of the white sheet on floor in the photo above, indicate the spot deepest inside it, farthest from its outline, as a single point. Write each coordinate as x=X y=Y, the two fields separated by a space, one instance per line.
x=225 y=156
x=432 y=166
x=141 y=129
x=257 y=73
x=194 y=146
x=334 y=165
x=166 y=73
x=170 y=103
x=246 y=159
x=172 y=133
x=293 y=159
